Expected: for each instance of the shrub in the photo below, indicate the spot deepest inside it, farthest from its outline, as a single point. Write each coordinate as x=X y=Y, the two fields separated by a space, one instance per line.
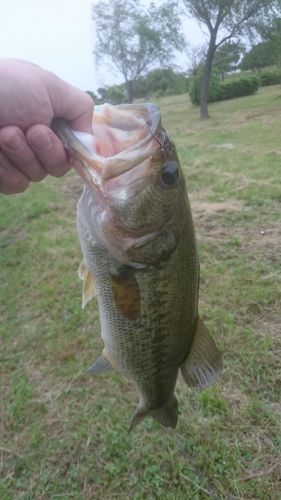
x=194 y=87
x=166 y=82
x=238 y=88
x=113 y=95
x=270 y=77
x=221 y=91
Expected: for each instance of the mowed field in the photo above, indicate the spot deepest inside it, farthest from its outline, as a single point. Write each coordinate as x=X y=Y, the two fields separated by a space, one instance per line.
x=63 y=434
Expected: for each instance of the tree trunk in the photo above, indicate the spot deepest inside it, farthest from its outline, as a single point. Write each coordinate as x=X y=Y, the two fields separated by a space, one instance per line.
x=206 y=79
x=129 y=88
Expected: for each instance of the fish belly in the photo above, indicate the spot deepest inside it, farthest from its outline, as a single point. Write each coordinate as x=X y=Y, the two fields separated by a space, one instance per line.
x=148 y=350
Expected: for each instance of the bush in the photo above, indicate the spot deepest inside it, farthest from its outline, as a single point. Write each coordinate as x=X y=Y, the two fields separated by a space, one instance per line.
x=221 y=91
x=194 y=87
x=270 y=77
x=113 y=95
x=166 y=82
x=238 y=88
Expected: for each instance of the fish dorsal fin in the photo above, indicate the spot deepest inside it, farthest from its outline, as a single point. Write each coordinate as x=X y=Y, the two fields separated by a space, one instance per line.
x=101 y=365
x=89 y=290
x=203 y=364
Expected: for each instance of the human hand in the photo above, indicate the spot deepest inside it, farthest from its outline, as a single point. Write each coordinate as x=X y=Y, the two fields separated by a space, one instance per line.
x=30 y=97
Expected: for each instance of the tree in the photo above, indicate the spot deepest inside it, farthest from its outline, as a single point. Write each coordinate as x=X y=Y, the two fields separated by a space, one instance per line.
x=271 y=35
x=133 y=39
x=227 y=57
x=268 y=51
x=259 y=56
x=197 y=56
x=225 y=20
x=272 y=32
x=166 y=82
x=93 y=95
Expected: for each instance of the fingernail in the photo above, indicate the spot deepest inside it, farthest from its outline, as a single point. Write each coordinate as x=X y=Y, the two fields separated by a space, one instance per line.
x=40 y=141
x=13 y=142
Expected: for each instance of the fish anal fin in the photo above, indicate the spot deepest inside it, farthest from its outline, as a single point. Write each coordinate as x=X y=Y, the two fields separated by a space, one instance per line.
x=126 y=294
x=101 y=365
x=89 y=290
x=203 y=364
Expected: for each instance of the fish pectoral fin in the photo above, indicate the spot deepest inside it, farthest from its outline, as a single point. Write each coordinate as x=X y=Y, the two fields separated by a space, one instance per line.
x=89 y=289
x=203 y=364
x=101 y=365
x=126 y=293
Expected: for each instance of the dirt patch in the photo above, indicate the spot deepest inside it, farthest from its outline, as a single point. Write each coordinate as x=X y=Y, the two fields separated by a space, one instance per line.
x=263 y=118
x=271 y=466
x=235 y=397
x=207 y=208
x=271 y=324
x=260 y=239
x=254 y=240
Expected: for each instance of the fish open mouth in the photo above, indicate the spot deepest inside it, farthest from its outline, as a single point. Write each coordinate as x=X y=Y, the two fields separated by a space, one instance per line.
x=124 y=137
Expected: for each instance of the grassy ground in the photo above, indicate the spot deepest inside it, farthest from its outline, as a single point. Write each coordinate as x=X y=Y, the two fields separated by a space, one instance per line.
x=63 y=434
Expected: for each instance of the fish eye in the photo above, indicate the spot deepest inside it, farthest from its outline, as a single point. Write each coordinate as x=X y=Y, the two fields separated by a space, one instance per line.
x=169 y=173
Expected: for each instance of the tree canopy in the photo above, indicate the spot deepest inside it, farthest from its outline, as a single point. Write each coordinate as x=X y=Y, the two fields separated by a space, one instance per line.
x=268 y=51
x=227 y=57
x=133 y=39
x=225 y=20
x=259 y=56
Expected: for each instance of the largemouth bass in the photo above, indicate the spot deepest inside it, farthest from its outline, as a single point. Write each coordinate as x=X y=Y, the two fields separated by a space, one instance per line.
x=140 y=259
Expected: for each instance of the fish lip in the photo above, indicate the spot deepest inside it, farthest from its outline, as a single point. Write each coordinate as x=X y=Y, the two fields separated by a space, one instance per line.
x=97 y=169
x=79 y=155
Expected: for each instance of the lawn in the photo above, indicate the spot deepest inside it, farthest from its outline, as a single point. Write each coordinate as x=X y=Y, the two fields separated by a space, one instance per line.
x=64 y=434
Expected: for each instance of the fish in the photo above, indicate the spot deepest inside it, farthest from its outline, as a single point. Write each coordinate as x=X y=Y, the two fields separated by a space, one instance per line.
x=140 y=257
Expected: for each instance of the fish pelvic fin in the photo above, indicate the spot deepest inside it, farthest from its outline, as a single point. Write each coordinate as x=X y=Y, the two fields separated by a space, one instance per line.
x=138 y=416
x=166 y=415
x=101 y=365
x=203 y=364
x=89 y=290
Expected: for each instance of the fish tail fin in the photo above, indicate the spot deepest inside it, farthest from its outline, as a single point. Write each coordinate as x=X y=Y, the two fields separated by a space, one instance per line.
x=167 y=415
x=203 y=364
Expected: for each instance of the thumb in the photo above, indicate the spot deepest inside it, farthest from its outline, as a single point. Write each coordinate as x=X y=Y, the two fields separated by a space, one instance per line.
x=71 y=103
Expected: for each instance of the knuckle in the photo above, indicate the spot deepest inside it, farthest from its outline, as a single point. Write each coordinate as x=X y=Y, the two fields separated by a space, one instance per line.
x=39 y=176
x=59 y=170
x=12 y=139
x=18 y=183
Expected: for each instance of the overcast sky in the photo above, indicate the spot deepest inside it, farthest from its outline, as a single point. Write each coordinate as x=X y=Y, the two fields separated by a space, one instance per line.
x=59 y=35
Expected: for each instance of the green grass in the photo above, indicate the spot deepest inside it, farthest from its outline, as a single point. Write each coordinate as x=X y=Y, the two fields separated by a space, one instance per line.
x=64 y=434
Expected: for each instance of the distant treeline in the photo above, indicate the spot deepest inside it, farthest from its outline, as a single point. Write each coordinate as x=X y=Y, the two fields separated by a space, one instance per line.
x=159 y=82
x=163 y=82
